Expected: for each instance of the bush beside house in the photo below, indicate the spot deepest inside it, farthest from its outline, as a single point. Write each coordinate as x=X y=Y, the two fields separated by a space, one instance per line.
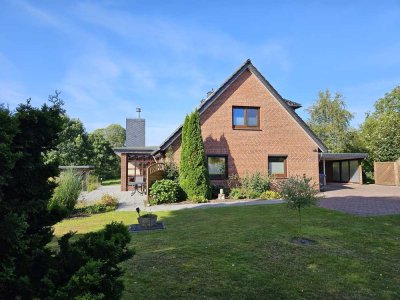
x=251 y=186
x=165 y=191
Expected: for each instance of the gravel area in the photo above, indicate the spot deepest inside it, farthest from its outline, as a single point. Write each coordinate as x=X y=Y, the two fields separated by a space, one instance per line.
x=125 y=199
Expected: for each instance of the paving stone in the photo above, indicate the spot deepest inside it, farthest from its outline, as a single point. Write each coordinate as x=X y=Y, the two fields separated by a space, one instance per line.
x=362 y=200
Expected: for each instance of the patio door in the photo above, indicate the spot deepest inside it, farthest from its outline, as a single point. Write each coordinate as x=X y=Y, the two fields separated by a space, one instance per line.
x=345 y=171
x=336 y=171
x=354 y=172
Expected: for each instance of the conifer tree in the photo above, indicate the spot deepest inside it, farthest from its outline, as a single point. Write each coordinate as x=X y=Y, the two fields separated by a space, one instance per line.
x=183 y=163
x=194 y=177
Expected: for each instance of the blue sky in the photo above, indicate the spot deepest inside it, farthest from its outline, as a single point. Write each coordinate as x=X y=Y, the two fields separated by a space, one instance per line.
x=109 y=57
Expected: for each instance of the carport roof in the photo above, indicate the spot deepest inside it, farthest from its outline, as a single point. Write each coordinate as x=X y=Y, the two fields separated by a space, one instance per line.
x=136 y=150
x=342 y=156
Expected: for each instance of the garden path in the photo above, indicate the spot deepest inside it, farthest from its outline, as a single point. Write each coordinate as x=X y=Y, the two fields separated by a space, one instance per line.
x=125 y=200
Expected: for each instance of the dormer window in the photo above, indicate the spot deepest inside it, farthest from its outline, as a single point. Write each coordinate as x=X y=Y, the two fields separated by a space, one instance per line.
x=245 y=117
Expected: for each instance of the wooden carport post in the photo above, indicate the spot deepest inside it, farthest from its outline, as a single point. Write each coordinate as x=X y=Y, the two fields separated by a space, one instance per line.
x=124 y=172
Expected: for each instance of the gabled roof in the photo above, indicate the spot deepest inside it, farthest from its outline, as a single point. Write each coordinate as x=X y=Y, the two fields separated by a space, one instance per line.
x=290 y=106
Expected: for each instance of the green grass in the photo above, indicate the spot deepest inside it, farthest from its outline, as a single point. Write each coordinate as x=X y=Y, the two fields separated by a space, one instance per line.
x=111 y=181
x=246 y=253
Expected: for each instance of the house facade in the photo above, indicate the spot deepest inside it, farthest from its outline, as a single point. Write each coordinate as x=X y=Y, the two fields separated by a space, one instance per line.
x=247 y=126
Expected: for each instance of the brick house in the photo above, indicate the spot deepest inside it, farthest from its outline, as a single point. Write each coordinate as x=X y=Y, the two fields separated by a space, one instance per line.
x=247 y=126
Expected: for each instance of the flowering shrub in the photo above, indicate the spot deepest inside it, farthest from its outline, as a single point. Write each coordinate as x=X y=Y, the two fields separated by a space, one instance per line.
x=270 y=195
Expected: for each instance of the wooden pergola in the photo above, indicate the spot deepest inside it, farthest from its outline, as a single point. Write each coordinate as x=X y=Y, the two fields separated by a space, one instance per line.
x=134 y=164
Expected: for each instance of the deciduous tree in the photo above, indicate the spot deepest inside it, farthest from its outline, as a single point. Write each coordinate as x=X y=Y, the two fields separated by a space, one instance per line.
x=114 y=134
x=104 y=159
x=381 y=129
x=73 y=146
x=330 y=121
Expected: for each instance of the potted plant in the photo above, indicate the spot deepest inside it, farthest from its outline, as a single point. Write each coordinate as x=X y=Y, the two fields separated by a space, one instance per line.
x=147 y=220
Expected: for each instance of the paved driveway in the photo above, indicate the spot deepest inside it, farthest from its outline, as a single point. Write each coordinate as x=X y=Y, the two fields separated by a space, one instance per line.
x=363 y=200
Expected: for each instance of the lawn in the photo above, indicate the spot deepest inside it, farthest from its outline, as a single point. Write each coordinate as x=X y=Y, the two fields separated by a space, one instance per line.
x=111 y=181
x=246 y=253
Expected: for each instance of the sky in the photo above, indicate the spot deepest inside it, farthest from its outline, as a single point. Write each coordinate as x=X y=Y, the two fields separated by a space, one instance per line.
x=109 y=57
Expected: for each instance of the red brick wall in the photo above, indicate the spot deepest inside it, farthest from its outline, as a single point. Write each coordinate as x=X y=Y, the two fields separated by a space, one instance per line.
x=248 y=150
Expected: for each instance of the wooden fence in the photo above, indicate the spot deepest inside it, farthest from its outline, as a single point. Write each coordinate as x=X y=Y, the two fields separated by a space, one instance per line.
x=387 y=173
x=154 y=172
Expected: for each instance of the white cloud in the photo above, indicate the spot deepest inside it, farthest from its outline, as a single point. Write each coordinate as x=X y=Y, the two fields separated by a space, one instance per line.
x=189 y=43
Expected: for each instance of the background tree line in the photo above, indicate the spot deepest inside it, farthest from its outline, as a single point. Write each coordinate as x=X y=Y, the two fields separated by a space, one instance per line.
x=77 y=147
x=378 y=135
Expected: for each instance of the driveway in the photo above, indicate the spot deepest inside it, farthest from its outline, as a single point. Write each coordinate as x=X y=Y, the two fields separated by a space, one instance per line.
x=362 y=200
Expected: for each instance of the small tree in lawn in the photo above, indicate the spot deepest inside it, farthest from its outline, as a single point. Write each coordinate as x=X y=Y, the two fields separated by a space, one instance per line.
x=193 y=172
x=299 y=193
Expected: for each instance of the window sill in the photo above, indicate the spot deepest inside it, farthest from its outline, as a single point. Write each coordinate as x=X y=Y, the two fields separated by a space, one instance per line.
x=218 y=178
x=249 y=129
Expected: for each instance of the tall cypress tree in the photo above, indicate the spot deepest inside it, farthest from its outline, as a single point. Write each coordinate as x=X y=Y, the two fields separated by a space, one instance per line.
x=183 y=162
x=193 y=169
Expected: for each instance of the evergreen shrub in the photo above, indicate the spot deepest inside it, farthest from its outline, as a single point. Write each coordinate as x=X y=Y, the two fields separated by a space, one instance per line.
x=88 y=268
x=193 y=172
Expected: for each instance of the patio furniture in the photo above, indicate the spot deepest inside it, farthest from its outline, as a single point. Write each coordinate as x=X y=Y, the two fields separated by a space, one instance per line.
x=139 y=182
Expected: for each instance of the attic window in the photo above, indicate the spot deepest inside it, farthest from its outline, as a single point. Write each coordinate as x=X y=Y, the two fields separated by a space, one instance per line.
x=244 y=117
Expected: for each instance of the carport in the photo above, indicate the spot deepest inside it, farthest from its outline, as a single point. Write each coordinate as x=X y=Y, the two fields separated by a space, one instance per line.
x=341 y=167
